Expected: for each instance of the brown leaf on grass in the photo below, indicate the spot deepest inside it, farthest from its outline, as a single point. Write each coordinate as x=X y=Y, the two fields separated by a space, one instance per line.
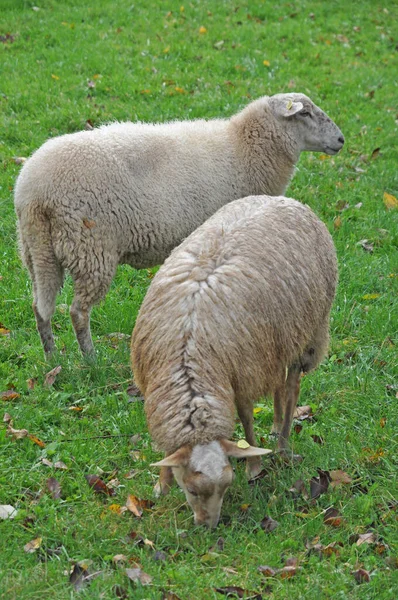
x=288 y=571
x=298 y=488
x=9 y=395
x=54 y=488
x=233 y=591
x=319 y=485
x=137 y=505
x=339 y=477
x=267 y=571
x=361 y=576
x=268 y=524
x=390 y=201
x=60 y=465
x=98 y=485
x=31 y=383
x=36 y=440
x=303 y=412
x=7 y=418
x=366 y=245
x=321 y=550
x=33 y=545
x=332 y=517
x=119 y=559
x=375 y=153
x=79 y=576
x=16 y=434
x=52 y=375
x=366 y=538
x=138 y=576
x=46 y=462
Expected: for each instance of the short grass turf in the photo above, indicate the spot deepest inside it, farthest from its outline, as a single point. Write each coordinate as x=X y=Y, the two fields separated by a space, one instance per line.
x=67 y=63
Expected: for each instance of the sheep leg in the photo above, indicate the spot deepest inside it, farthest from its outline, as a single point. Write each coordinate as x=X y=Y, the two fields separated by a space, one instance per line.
x=292 y=394
x=279 y=404
x=164 y=483
x=45 y=331
x=89 y=290
x=253 y=464
x=80 y=315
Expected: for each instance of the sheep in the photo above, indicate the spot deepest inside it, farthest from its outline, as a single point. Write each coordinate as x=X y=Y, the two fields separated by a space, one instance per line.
x=130 y=193
x=238 y=311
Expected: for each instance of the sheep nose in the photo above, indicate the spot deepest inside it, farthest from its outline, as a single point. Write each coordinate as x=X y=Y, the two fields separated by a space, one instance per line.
x=341 y=139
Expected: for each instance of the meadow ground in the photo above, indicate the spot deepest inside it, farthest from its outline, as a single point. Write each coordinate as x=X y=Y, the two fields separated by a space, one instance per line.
x=66 y=64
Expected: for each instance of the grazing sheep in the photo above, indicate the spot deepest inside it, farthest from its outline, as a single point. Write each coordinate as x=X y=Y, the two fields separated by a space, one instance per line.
x=129 y=193
x=237 y=312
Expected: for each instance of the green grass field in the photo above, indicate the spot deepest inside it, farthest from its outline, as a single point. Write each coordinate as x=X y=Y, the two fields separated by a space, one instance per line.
x=66 y=63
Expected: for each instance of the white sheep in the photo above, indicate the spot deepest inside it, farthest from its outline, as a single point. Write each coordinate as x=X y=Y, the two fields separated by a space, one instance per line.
x=129 y=193
x=237 y=312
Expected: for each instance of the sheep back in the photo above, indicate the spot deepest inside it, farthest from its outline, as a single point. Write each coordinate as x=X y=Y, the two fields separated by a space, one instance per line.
x=237 y=302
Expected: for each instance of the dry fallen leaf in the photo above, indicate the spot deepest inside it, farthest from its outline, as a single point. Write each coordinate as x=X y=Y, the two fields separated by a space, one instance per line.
x=267 y=571
x=31 y=383
x=366 y=538
x=36 y=440
x=137 y=505
x=7 y=511
x=319 y=485
x=79 y=576
x=51 y=375
x=33 y=545
x=138 y=576
x=303 y=412
x=88 y=223
x=98 y=485
x=268 y=524
x=54 y=488
x=366 y=245
x=361 y=576
x=339 y=477
x=332 y=517
x=202 y=29
x=7 y=418
x=337 y=222
x=60 y=465
x=9 y=395
x=390 y=201
x=16 y=434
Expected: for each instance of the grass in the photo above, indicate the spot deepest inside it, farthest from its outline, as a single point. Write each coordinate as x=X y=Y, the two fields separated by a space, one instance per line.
x=74 y=61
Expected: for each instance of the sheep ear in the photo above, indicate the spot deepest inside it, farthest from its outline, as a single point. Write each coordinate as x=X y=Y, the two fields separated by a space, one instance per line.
x=180 y=458
x=232 y=449
x=287 y=108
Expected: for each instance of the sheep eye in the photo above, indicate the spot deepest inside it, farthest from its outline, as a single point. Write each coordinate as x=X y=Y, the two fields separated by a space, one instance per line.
x=305 y=113
x=194 y=494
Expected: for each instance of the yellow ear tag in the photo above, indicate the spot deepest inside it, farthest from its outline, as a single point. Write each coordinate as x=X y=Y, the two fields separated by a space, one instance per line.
x=289 y=105
x=243 y=444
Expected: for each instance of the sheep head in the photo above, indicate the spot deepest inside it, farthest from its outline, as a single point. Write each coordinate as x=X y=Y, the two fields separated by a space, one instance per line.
x=306 y=124
x=204 y=473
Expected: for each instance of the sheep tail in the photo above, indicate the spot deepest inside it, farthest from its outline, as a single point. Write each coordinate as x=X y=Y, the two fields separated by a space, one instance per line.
x=37 y=253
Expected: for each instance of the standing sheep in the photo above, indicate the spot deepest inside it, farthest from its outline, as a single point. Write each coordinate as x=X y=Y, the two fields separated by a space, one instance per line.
x=129 y=193
x=237 y=312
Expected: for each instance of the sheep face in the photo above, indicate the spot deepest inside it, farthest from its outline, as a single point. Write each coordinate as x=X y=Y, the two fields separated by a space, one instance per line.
x=306 y=124
x=204 y=474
